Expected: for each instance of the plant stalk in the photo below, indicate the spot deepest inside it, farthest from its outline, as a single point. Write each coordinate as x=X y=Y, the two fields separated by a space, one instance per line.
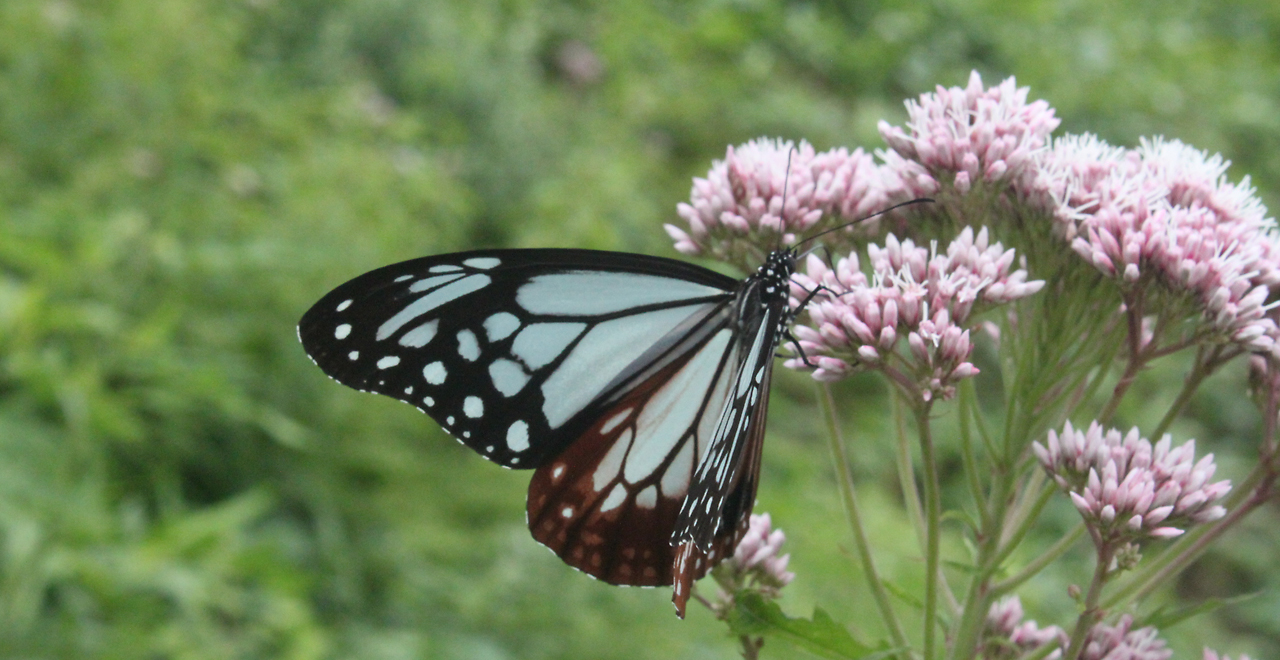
x=845 y=479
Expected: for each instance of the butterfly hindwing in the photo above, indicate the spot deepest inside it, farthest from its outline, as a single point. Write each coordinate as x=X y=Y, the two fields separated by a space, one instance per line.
x=608 y=503
x=506 y=348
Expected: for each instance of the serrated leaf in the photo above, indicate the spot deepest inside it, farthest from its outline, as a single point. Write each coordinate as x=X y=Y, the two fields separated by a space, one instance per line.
x=821 y=635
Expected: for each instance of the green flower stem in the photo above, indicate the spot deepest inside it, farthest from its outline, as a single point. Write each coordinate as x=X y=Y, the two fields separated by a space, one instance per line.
x=968 y=409
x=1021 y=526
x=1092 y=613
x=933 y=517
x=911 y=496
x=907 y=475
x=1039 y=563
x=1206 y=363
x=978 y=599
x=1137 y=358
x=845 y=480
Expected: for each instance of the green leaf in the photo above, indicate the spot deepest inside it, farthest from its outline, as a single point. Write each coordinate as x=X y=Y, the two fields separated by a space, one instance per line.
x=905 y=596
x=1166 y=616
x=753 y=615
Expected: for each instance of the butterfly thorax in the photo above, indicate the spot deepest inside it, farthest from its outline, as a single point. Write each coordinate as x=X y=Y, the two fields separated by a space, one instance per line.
x=771 y=283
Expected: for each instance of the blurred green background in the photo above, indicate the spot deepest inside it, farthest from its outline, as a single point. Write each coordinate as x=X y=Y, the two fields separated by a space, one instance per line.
x=180 y=180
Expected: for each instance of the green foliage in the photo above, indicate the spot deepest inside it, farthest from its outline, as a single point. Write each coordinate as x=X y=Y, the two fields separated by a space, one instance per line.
x=753 y=615
x=179 y=180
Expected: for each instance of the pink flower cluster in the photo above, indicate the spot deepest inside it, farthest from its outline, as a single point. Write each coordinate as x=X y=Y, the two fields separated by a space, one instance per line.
x=1008 y=637
x=1126 y=489
x=1121 y=642
x=757 y=555
x=736 y=213
x=1167 y=211
x=968 y=134
x=915 y=293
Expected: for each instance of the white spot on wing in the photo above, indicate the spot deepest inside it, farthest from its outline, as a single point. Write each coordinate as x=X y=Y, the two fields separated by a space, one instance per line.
x=518 y=436
x=429 y=283
x=408 y=390
x=421 y=335
x=567 y=512
x=612 y=462
x=557 y=471
x=435 y=372
x=540 y=343
x=428 y=401
x=342 y=332
x=342 y=306
x=508 y=377
x=648 y=498
x=582 y=292
x=473 y=406
x=748 y=368
x=483 y=263
x=616 y=497
x=444 y=268
x=403 y=278
x=500 y=326
x=675 y=481
x=353 y=355
x=468 y=346
x=614 y=421
x=711 y=417
x=438 y=297
x=388 y=362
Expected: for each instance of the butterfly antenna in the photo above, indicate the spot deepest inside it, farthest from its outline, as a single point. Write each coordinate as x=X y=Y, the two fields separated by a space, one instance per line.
x=919 y=200
x=782 y=214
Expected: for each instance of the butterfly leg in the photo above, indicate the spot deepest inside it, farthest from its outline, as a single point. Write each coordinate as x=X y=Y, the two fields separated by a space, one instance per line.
x=803 y=358
x=786 y=334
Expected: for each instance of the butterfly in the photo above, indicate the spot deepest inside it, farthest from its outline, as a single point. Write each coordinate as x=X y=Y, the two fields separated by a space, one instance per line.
x=634 y=386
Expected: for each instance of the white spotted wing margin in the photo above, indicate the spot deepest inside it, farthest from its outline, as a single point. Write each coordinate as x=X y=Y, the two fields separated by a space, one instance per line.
x=511 y=351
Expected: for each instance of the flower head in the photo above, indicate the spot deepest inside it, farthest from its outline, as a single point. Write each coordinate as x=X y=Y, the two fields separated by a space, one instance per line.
x=915 y=294
x=967 y=135
x=738 y=209
x=1121 y=641
x=756 y=558
x=1007 y=636
x=1126 y=489
x=1165 y=214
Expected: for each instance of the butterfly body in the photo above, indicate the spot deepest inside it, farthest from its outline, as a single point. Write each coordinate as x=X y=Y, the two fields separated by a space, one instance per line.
x=636 y=387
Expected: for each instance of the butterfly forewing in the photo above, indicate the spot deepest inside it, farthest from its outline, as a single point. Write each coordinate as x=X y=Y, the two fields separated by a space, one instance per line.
x=507 y=348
